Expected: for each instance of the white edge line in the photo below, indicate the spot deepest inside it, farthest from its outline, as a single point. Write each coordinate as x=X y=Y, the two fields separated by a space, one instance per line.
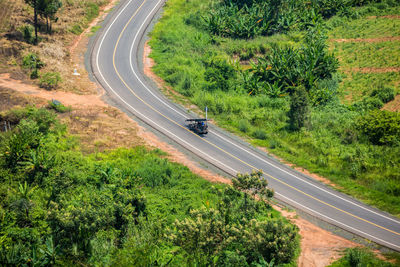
x=249 y=152
x=344 y=225
x=97 y=64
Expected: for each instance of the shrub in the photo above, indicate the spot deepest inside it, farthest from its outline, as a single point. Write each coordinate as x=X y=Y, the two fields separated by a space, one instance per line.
x=299 y=109
x=27 y=33
x=218 y=73
x=381 y=127
x=385 y=94
x=260 y=134
x=50 y=80
x=58 y=106
x=32 y=62
x=324 y=92
x=368 y=103
x=356 y=257
x=243 y=125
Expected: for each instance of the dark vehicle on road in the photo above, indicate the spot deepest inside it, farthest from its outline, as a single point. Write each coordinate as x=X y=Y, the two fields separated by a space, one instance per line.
x=198 y=126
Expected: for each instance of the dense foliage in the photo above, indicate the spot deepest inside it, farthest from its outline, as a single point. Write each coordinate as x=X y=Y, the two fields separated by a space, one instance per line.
x=251 y=18
x=248 y=87
x=287 y=67
x=124 y=207
x=381 y=127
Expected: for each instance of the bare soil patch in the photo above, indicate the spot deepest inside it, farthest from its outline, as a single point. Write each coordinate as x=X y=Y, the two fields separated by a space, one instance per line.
x=393 y=105
x=318 y=247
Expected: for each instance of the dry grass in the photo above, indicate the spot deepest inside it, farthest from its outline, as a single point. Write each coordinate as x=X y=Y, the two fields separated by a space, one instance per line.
x=53 y=49
x=102 y=128
x=11 y=99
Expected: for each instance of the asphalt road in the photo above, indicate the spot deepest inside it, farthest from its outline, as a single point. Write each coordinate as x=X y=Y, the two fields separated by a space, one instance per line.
x=116 y=63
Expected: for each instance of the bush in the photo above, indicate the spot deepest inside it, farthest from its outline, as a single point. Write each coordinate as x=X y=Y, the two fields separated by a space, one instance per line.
x=243 y=125
x=32 y=62
x=50 y=80
x=357 y=257
x=58 y=106
x=368 y=103
x=381 y=127
x=27 y=33
x=260 y=134
x=218 y=74
x=299 y=109
x=385 y=94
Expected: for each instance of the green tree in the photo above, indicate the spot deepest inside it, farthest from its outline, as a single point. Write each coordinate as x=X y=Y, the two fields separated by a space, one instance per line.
x=299 y=109
x=202 y=236
x=253 y=184
x=48 y=9
x=35 y=5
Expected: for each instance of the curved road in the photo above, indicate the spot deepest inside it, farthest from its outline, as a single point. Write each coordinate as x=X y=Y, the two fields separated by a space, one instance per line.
x=116 y=65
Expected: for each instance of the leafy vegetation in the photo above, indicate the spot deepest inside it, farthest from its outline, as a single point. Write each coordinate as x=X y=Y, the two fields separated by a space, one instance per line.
x=91 y=11
x=46 y=9
x=246 y=74
x=381 y=127
x=50 y=80
x=32 y=62
x=355 y=257
x=125 y=207
x=58 y=106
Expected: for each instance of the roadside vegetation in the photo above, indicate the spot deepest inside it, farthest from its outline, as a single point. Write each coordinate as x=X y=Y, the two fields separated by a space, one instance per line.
x=125 y=206
x=364 y=257
x=274 y=73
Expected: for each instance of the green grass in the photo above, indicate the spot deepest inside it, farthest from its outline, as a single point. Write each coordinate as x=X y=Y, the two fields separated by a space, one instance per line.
x=366 y=55
x=91 y=12
x=360 y=257
x=365 y=27
x=357 y=85
x=94 y=29
x=376 y=54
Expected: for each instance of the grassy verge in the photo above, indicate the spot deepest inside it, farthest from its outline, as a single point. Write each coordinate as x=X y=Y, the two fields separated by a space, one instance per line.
x=91 y=11
x=363 y=54
x=357 y=85
x=365 y=27
x=363 y=257
x=331 y=146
